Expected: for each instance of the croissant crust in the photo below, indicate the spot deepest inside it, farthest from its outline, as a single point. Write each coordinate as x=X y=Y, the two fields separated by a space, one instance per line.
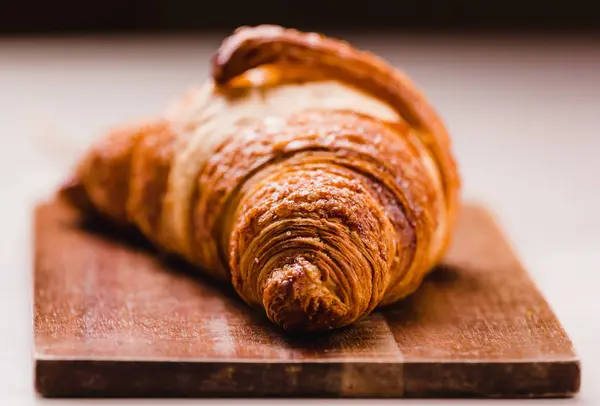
x=313 y=176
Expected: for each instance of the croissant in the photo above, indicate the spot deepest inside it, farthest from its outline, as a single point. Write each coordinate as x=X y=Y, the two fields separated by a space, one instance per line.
x=313 y=176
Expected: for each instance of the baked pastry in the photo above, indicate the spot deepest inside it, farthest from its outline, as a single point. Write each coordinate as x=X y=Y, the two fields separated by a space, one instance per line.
x=313 y=176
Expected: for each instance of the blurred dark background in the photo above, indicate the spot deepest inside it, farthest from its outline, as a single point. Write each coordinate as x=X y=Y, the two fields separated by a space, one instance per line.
x=149 y=16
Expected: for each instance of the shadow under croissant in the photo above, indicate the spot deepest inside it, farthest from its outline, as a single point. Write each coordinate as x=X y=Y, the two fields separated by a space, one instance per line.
x=444 y=277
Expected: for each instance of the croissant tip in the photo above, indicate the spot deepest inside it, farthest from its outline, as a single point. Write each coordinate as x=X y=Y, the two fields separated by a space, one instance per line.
x=73 y=192
x=220 y=61
x=296 y=299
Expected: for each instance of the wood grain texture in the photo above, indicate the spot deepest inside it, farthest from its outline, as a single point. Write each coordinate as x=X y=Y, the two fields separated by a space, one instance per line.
x=114 y=318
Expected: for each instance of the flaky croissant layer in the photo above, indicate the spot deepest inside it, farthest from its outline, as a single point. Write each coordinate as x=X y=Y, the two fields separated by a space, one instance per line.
x=313 y=176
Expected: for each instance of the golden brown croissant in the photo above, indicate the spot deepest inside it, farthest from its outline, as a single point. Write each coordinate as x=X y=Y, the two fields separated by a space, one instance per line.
x=312 y=175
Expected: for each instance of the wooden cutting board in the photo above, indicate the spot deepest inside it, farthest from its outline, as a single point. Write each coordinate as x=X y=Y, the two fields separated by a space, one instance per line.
x=112 y=318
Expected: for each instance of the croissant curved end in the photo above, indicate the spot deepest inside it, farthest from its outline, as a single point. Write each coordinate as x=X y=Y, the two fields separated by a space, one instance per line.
x=231 y=45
